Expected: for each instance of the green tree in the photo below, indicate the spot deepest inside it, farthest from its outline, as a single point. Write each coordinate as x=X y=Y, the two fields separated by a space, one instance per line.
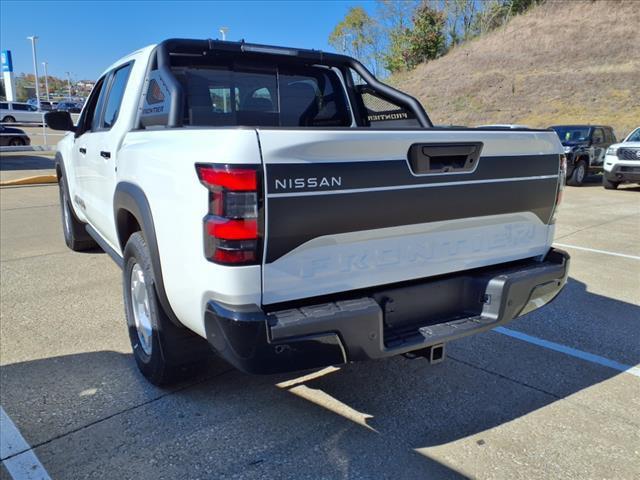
x=358 y=35
x=395 y=19
x=427 y=40
x=460 y=16
x=395 y=58
x=420 y=40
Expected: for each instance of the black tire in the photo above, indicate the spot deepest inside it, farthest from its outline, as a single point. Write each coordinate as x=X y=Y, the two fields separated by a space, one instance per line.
x=8 y=119
x=578 y=175
x=16 y=142
x=75 y=234
x=608 y=184
x=170 y=353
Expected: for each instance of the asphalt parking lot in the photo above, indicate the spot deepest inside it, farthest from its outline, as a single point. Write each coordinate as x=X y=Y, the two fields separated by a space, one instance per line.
x=562 y=401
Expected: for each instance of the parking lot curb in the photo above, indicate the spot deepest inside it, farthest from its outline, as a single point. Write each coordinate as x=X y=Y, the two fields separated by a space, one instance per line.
x=37 y=180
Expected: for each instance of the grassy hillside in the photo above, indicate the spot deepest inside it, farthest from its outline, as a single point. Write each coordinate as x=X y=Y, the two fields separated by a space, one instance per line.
x=573 y=61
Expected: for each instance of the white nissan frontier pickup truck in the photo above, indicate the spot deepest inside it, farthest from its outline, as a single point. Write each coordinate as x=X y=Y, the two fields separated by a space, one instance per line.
x=288 y=210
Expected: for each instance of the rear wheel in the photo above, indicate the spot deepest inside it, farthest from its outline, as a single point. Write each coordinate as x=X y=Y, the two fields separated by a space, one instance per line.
x=608 y=184
x=163 y=351
x=75 y=234
x=16 y=142
x=578 y=174
x=8 y=119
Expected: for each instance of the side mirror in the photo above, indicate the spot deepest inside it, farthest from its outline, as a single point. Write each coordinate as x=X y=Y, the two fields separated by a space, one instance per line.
x=59 y=121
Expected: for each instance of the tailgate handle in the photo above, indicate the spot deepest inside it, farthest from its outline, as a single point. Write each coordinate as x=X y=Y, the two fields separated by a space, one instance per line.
x=427 y=158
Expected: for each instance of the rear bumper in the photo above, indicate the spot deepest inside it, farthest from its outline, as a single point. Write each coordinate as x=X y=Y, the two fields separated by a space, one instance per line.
x=383 y=322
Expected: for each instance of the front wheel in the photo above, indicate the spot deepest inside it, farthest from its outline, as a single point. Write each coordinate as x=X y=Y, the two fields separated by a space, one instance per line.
x=8 y=119
x=75 y=234
x=163 y=351
x=608 y=184
x=16 y=142
x=579 y=173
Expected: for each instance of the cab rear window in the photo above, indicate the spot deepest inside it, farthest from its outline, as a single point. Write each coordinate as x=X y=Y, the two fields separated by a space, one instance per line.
x=229 y=95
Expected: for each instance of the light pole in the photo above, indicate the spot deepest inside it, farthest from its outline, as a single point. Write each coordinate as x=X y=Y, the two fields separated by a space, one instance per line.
x=46 y=80
x=223 y=31
x=69 y=83
x=33 y=39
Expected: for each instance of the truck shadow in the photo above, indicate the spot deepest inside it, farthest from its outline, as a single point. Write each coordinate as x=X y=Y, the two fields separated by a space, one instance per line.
x=354 y=420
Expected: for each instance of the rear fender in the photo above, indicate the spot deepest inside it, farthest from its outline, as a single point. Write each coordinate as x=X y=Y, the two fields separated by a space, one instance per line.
x=130 y=198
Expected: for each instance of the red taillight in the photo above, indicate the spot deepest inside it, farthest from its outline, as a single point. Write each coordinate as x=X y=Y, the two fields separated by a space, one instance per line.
x=234 y=256
x=231 y=229
x=225 y=176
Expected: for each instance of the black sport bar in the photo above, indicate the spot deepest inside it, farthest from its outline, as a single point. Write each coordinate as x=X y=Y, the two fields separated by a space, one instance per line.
x=179 y=46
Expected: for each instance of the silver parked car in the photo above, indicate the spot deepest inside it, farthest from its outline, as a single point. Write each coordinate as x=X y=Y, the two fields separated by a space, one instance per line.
x=20 y=112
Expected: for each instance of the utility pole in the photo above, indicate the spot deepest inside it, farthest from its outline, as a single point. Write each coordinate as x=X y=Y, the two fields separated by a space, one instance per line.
x=33 y=39
x=69 y=83
x=46 y=80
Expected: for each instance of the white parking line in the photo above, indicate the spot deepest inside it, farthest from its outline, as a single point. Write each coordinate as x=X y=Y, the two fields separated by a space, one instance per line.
x=23 y=465
x=595 y=250
x=574 y=352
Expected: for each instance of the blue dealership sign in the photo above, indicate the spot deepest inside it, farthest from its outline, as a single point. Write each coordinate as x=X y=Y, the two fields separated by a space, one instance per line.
x=7 y=64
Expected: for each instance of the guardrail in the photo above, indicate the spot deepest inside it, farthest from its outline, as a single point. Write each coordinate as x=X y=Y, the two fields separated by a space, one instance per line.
x=46 y=135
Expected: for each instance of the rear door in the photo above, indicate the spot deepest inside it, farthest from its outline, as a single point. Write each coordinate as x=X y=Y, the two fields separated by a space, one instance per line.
x=85 y=147
x=354 y=208
x=101 y=162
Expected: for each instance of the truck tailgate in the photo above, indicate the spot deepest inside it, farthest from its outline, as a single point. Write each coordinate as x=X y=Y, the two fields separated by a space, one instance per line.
x=347 y=209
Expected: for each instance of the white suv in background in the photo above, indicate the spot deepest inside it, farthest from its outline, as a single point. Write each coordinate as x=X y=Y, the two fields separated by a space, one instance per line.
x=20 y=112
x=622 y=162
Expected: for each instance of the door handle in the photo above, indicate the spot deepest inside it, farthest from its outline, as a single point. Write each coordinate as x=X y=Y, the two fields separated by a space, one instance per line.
x=82 y=150
x=104 y=154
x=444 y=157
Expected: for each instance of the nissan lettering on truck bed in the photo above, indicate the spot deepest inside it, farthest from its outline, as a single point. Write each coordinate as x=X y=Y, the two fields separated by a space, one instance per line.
x=288 y=211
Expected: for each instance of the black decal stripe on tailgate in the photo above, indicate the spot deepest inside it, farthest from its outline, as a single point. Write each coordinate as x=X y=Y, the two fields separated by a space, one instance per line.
x=293 y=221
x=387 y=173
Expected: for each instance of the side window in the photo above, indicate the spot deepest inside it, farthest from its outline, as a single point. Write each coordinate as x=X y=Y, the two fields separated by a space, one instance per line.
x=4 y=106
x=116 y=92
x=86 y=119
x=223 y=100
x=20 y=106
x=597 y=136
x=611 y=137
x=93 y=116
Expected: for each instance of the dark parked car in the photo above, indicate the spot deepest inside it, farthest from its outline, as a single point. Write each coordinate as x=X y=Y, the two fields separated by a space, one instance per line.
x=13 y=137
x=584 y=147
x=46 y=106
x=70 y=107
